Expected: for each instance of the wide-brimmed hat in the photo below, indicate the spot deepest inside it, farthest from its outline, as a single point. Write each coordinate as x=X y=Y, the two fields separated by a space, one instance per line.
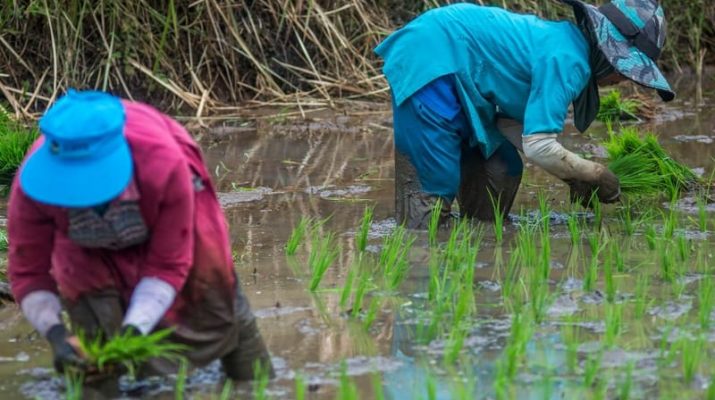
x=631 y=34
x=84 y=159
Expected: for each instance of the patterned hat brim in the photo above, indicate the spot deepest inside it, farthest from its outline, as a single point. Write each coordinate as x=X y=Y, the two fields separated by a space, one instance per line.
x=625 y=58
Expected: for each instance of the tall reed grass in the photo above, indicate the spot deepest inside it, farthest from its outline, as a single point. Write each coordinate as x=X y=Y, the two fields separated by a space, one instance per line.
x=210 y=55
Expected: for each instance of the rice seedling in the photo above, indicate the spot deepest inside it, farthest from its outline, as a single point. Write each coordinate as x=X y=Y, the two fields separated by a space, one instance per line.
x=702 y=212
x=614 y=324
x=691 y=353
x=180 y=386
x=348 y=286
x=571 y=343
x=591 y=276
x=347 y=390
x=641 y=293
x=433 y=225
x=591 y=369
x=431 y=387
x=227 y=391
x=521 y=332
x=464 y=389
x=394 y=260
x=615 y=108
x=574 y=227
x=667 y=261
x=15 y=141
x=74 y=380
x=643 y=167
x=624 y=390
x=547 y=384
x=454 y=344
x=498 y=218
x=323 y=253
x=297 y=235
x=544 y=211
x=710 y=393
x=261 y=378
x=362 y=233
x=609 y=282
x=616 y=254
x=706 y=301
x=378 y=392
x=130 y=350
x=650 y=237
x=666 y=349
x=626 y=217
x=360 y=291
x=684 y=247
x=511 y=277
x=670 y=222
x=373 y=309
x=300 y=387
x=597 y=211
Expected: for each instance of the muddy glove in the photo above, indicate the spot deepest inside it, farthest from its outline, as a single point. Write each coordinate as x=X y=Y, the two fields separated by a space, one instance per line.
x=583 y=177
x=64 y=354
x=150 y=300
x=606 y=189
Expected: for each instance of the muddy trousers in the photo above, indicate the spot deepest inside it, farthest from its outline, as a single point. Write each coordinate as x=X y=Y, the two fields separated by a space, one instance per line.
x=434 y=160
x=100 y=315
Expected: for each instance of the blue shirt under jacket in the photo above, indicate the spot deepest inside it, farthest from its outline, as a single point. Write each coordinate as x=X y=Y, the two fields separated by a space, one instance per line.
x=522 y=66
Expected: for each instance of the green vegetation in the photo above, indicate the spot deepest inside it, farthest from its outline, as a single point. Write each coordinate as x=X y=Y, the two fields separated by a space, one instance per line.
x=615 y=108
x=323 y=253
x=260 y=381
x=3 y=240
x=644 y=167
x=268 y=48
x=297 y=235
x=394 y=261
x=130 y=350
x=362 y=233
x=15 y=141
x=434 y=221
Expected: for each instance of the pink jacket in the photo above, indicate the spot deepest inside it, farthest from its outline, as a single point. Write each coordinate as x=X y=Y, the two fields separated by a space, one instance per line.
x=188 y=246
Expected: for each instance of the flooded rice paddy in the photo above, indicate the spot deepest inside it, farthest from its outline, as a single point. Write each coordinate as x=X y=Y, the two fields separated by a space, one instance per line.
x=568 y=304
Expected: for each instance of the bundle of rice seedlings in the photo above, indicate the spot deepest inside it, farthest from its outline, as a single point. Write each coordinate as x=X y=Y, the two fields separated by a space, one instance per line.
x=130 y=350
x=644 y=167
x=615 y=108
x=15 y=140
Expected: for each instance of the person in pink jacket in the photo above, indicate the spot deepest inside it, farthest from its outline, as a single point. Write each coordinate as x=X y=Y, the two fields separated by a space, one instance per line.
x=113 y=217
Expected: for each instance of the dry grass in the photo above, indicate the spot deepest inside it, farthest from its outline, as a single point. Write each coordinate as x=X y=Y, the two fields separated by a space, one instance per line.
x=209 y=55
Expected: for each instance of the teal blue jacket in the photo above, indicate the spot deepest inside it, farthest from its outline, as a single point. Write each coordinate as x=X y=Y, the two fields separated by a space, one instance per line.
x=524 y=67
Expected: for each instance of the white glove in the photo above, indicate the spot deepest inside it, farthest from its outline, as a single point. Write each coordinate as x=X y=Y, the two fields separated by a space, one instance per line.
x=42 y=309
x=543 y=150
x=150 y=300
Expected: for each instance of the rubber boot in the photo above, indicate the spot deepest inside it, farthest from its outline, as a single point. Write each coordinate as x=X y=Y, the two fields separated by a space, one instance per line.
x=413 y=208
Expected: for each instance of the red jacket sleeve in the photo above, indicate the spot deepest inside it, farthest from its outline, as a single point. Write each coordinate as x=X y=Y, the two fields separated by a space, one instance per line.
x=31 y=239
x=171 y=245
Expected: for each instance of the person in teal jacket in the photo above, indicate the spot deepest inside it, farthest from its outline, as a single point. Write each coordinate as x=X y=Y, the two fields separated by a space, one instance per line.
x=460 y=75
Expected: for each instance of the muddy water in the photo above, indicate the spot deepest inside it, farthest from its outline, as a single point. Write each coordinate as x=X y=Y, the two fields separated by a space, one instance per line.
x=272 y=172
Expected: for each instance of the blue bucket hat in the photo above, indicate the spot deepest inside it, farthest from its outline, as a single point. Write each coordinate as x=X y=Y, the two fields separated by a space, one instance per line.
x=84 y=160
x=631 y=35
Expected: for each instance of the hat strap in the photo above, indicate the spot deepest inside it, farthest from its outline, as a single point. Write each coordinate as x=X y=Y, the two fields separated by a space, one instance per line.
x=636 y=36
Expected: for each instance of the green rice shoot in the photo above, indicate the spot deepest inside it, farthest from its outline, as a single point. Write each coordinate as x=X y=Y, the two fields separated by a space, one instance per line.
x=615 y=108
x=130 y=350
x=643 y=167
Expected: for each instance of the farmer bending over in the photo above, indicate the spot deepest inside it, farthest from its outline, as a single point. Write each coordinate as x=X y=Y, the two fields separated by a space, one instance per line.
x=460 y=72
x=114 y=212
